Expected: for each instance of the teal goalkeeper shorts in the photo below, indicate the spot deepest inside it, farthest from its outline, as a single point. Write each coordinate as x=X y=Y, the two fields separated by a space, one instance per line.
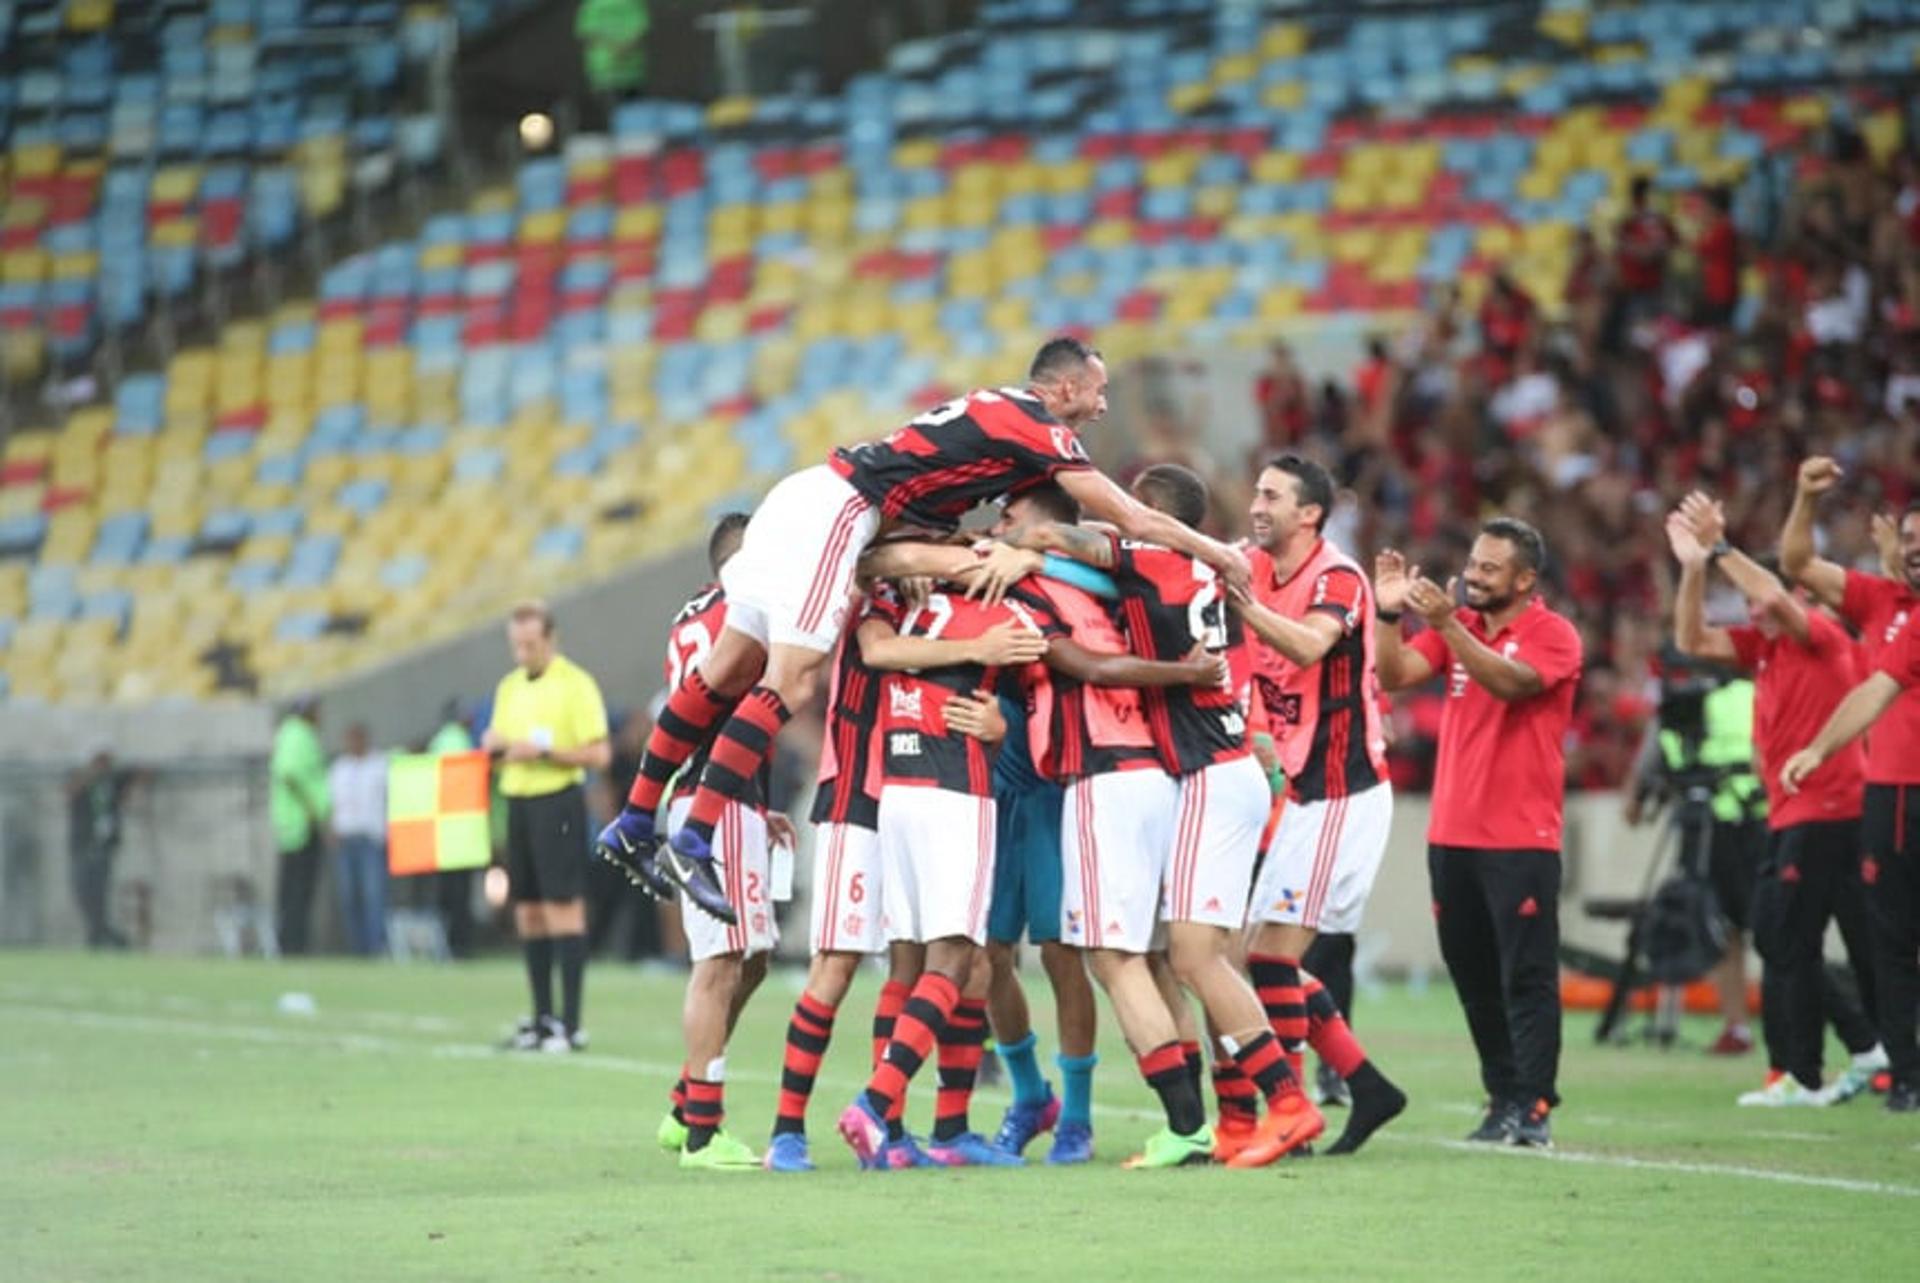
x=1026 y=867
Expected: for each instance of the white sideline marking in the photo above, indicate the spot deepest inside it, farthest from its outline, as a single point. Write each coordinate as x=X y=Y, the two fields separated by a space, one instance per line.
x=373 y=1043
x=1674 y=1165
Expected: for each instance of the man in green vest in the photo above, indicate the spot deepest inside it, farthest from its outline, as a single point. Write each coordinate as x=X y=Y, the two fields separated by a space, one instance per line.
x=1721 y=749
x=453 y=888
x=298 y=804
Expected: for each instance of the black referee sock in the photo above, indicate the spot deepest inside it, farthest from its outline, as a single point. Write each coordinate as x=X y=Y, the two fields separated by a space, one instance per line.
x=539 y=954
x=572 y=951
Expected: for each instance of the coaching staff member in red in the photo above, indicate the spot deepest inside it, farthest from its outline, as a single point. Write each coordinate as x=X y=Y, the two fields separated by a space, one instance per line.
x=1493 y=842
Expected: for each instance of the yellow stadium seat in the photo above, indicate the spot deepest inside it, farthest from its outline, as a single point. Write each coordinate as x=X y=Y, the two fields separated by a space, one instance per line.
x=1283 y=40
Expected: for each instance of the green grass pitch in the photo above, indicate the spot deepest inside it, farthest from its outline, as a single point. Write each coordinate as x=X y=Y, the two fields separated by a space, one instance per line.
x=161 y=1119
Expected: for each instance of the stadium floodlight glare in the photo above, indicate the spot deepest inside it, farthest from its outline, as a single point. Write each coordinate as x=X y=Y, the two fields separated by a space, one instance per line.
x=536 y=130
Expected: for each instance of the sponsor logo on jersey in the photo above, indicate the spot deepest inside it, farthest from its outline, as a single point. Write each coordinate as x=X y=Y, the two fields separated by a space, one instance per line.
x=1457 y=680
x=904 y=743
x=903 y=702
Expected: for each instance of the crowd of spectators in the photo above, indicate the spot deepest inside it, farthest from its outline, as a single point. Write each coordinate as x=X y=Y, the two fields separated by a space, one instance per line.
x=1693 y=350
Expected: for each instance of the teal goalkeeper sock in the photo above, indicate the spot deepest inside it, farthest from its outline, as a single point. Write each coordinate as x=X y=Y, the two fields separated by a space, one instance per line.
x=1076 y=1096
x=1029 y=1088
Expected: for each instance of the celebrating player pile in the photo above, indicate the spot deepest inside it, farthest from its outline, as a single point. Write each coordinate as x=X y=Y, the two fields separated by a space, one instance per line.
x=1117 y=659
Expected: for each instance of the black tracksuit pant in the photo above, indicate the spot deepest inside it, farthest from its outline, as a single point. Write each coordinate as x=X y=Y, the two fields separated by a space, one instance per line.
x=1498 y=917
x=1890 y=834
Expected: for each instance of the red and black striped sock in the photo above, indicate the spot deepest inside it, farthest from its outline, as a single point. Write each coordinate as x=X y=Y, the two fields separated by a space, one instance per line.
x=1196 y=1066
x=705 y=1111
x=893 y=996
x=961 y=1047
x=1278 y=981
x=683 y=724
x=1329 y=1034
x=921 y=1022
x=1165 y=1069
x=1234 y=1091
x=744 y=744
x=807 y=1035
x=1262 y=1061
x=679 y=1098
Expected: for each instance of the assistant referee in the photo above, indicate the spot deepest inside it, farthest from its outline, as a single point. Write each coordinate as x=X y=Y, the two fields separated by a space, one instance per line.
x=549 y=727
x=1493 y=842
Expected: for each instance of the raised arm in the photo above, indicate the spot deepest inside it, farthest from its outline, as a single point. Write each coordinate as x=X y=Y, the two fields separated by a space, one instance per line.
x=1762 y=590
x=1077 y=542
x=1690 y=631
x=1827 y=580
x=1398 y=665
x=907 y=558
x=1100 y=498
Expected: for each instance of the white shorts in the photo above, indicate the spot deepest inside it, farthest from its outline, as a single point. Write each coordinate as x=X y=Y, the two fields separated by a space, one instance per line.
x=1323 y=861
x=937 y=848
x=847 y=886
x=791 y=582
x=1116 y=831
x=740 y=852
x=1216 y=839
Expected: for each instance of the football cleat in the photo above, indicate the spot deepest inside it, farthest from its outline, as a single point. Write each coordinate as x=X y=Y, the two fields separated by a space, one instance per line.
x=557 y=1039
x=671 y=1134
x=863 y=1129
x=970 y=1149
x=1168 y=1148
x=526 y=1036
x=1782 y=1091
x=688 y=860
x=721 y=1154
x=787 y=1152
x=1734 y=1040
x=1233 y=1133
x=1072 y=1143
x=630 y=845
x=1023 y=1122
x=1294 y=1123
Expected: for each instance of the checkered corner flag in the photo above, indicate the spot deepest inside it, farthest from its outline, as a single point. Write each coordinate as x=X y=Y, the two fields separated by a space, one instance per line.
x=437 y=813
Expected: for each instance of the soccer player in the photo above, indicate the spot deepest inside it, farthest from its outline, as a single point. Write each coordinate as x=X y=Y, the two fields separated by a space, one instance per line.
x=1026 y=901
x=1312 y=612
x=936 y=827
x=1803 y=664
x=729 y=960
x=790 y=583
x=848 y=879
x=549 y=728
x=1512 y=668
x=1878 y=607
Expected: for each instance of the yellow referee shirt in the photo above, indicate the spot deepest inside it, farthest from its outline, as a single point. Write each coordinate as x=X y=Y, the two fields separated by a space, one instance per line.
x=560 y=709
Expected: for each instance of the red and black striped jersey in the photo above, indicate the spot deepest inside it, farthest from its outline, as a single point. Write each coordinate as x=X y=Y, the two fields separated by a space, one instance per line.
x=1074 y=729
x=1169 y=603
x=917 y=747
x=981 y=446
x=692 y=635
x=846 y=793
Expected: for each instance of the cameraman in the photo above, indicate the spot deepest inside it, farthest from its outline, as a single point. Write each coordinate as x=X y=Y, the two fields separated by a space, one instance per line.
x=1804 y=666
x=1703 y=741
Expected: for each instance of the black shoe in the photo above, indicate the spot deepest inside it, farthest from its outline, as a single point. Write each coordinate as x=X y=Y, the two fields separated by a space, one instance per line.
x=1376 y=1102
x=1534 y=1130
x=526 y=1036
x=1903 y=1098
x=1499 y=1126
x=1331 y=1088
x=630 y=845
x=688 y=860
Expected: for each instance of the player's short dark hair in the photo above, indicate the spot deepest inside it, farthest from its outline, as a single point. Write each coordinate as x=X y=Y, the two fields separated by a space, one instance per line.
x=1526 y=541
x=1313 y=481
x=1061 y=354
x=1179 y=492
x=1053 y=502
x=728 y=530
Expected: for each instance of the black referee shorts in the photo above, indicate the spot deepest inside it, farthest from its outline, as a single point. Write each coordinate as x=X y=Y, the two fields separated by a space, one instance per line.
x=547 y=846
x=1735 y=854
